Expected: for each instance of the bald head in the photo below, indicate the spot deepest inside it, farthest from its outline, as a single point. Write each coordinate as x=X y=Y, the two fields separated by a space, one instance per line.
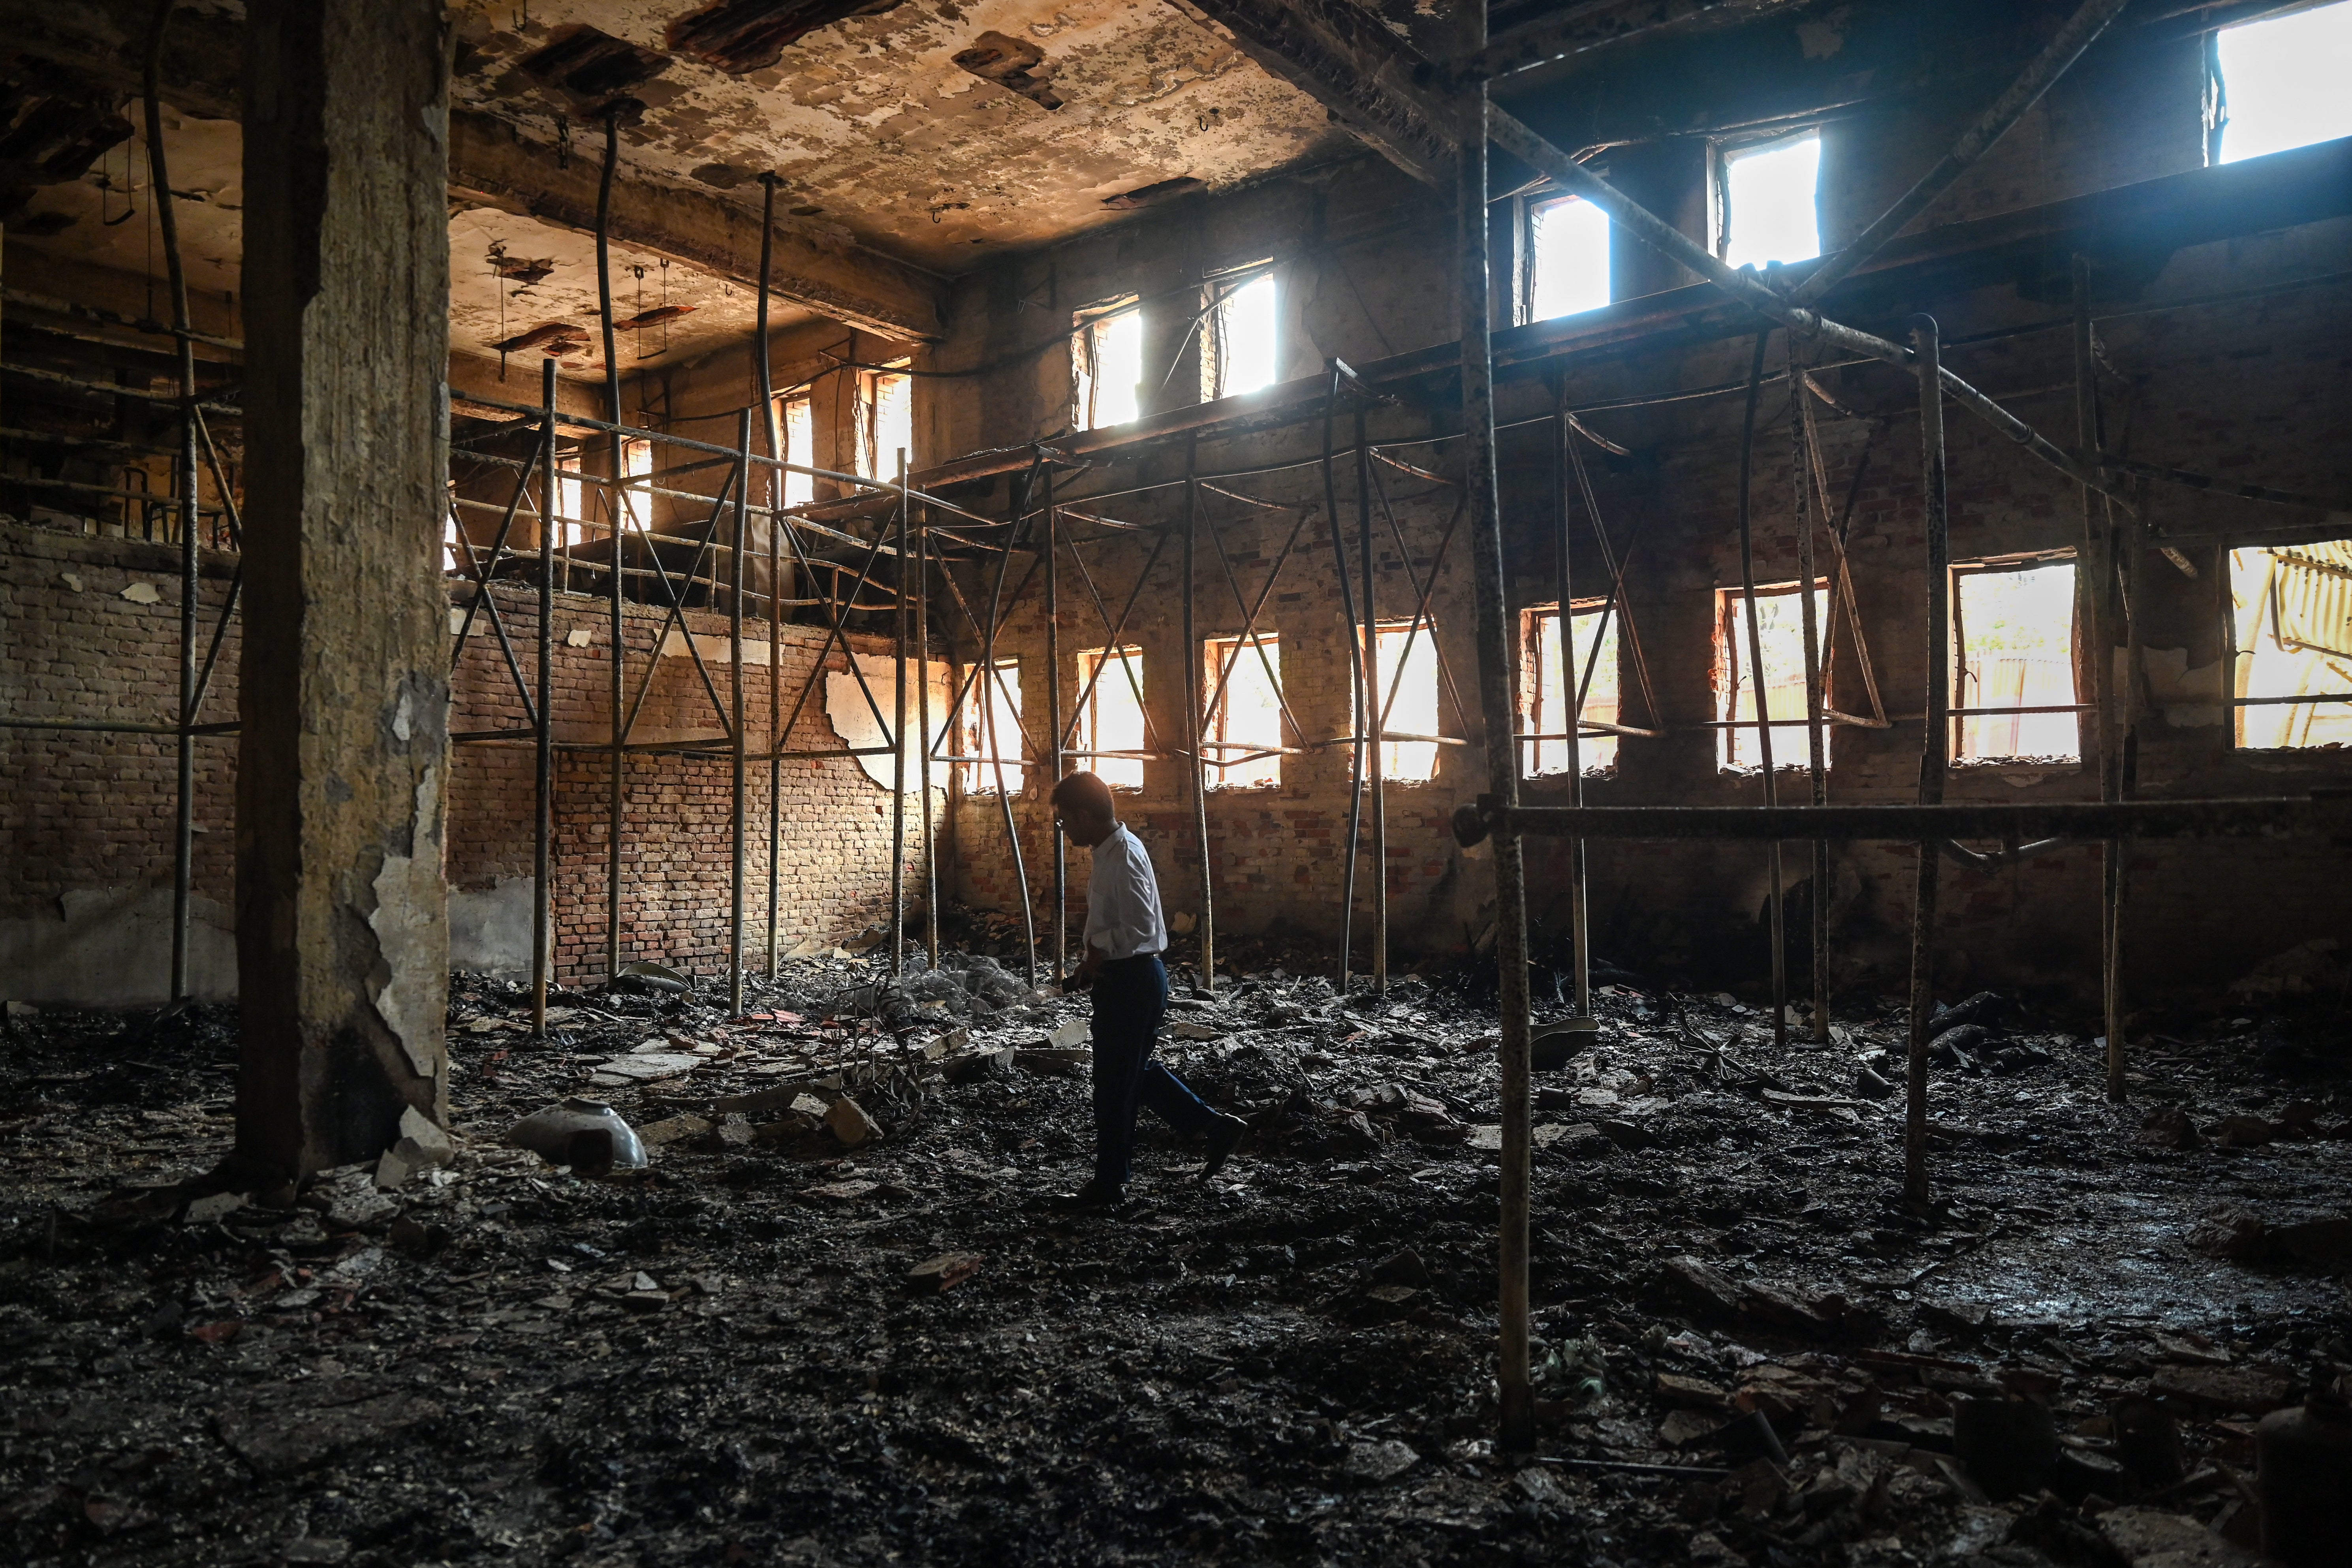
x=1084 y=808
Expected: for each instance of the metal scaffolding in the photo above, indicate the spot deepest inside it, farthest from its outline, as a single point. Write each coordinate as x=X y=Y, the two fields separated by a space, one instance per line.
x=925 y=537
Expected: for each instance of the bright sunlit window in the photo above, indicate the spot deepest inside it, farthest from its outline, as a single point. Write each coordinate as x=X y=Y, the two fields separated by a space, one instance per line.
x=2283 y=83
x=1405 y=664
x=1781 y=622
x=1568 y=258
x=637 y=463
x=1547 y=706
x=992 y=731
x=2294 y=639
x=571 y=501
x=887 y=398
x=797 y=433
x=1237 y=352
x=1107 y=366
x=1112 y=719
x=1242 y=737
x=2013 y=633
x=1769 y=212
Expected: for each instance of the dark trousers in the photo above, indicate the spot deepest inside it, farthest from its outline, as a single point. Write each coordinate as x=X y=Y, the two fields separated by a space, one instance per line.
x=1130 y=998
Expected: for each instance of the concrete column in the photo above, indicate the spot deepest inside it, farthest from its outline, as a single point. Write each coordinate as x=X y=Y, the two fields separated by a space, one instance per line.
x=342 y=920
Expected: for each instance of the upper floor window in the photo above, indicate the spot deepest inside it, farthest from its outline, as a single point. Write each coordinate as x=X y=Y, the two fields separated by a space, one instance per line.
x=1107 y=365
x=1242 y=735
x=1766 y=201
x=1237 y=337
x=2292 y=630
x=796 y=433
x=2280 y=83
x=885 y=409
x=1568 y=257
x=2013 y=660
x=570 y=500
x=1594 y=628
x=1780 y=625
x=1110 y=721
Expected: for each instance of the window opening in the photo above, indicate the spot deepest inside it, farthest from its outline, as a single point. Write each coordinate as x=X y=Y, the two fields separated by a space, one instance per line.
x=1107 y=365
x=2291 y=636
x=1112 y=718
x=798 y=431
x=886 y=402
x=1780 y=624
x=994 y=712
x=1404 y=662
x=1238 y=343
x=1767 y=202
x=1595 y=631
x=2281 y=83
x=571 y=501
x=637 y=463
x=1242 y=735
x=2013 y=675
x=1568 y=257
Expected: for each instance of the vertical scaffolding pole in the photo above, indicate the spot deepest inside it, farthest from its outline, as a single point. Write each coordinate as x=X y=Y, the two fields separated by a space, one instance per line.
x=184 y=475
x=766 y=394
x=923 y=728
x=542 y=837
x=1572 y=696
x=1375 y=713
x=995 y=745
x=1057 y=758
x=739 y=840
x=616 y=792
x=900 y=603
x=1935 y=724
x=2101 y=576
x=1497 y=666
x=1816 y=737
x=1362 y=720
x=1193 y=720
x=1778 y=912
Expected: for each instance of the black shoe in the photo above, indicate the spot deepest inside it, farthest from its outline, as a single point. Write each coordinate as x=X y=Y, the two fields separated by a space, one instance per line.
x=1225 y=1135
x=1094 y=1195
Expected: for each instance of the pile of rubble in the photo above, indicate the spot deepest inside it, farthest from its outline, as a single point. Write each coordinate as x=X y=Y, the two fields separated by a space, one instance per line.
x=778 y=1286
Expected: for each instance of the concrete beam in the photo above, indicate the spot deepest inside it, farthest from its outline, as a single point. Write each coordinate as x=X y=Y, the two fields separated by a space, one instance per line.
x=343 y=757
x=1344 y=56
x=490 y=165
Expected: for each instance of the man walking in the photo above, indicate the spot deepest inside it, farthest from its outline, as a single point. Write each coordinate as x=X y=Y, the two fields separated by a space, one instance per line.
x=1125 y=936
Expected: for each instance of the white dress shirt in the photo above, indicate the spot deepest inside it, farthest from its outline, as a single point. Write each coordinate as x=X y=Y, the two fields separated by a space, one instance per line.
x=1123 y=898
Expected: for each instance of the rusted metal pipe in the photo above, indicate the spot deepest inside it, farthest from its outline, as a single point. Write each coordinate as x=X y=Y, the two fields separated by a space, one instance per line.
x=1192 y=720
x=1497 y=667
x=1777 y=921
x=772 y=427
x=899 y=738
x=184 y=460
x=738 y=842
x=1935 y=747
x=1374 y=785
x=618 y=791
x=543 y=834
x=1816 y=735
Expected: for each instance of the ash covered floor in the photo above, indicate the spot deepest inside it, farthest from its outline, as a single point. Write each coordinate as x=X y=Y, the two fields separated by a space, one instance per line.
x=722 y=1357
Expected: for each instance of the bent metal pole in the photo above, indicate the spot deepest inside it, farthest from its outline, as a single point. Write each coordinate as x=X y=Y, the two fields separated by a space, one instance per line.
x=1496 y=665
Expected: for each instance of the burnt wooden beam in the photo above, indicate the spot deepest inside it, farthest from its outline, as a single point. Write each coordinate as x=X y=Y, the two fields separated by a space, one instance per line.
x=1374 y=84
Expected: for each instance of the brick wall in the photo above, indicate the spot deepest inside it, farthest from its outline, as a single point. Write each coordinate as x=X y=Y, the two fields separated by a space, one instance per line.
x=85 y=888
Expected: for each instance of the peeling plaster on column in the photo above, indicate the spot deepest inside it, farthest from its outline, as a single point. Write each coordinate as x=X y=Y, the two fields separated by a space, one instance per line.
x=406 y=890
